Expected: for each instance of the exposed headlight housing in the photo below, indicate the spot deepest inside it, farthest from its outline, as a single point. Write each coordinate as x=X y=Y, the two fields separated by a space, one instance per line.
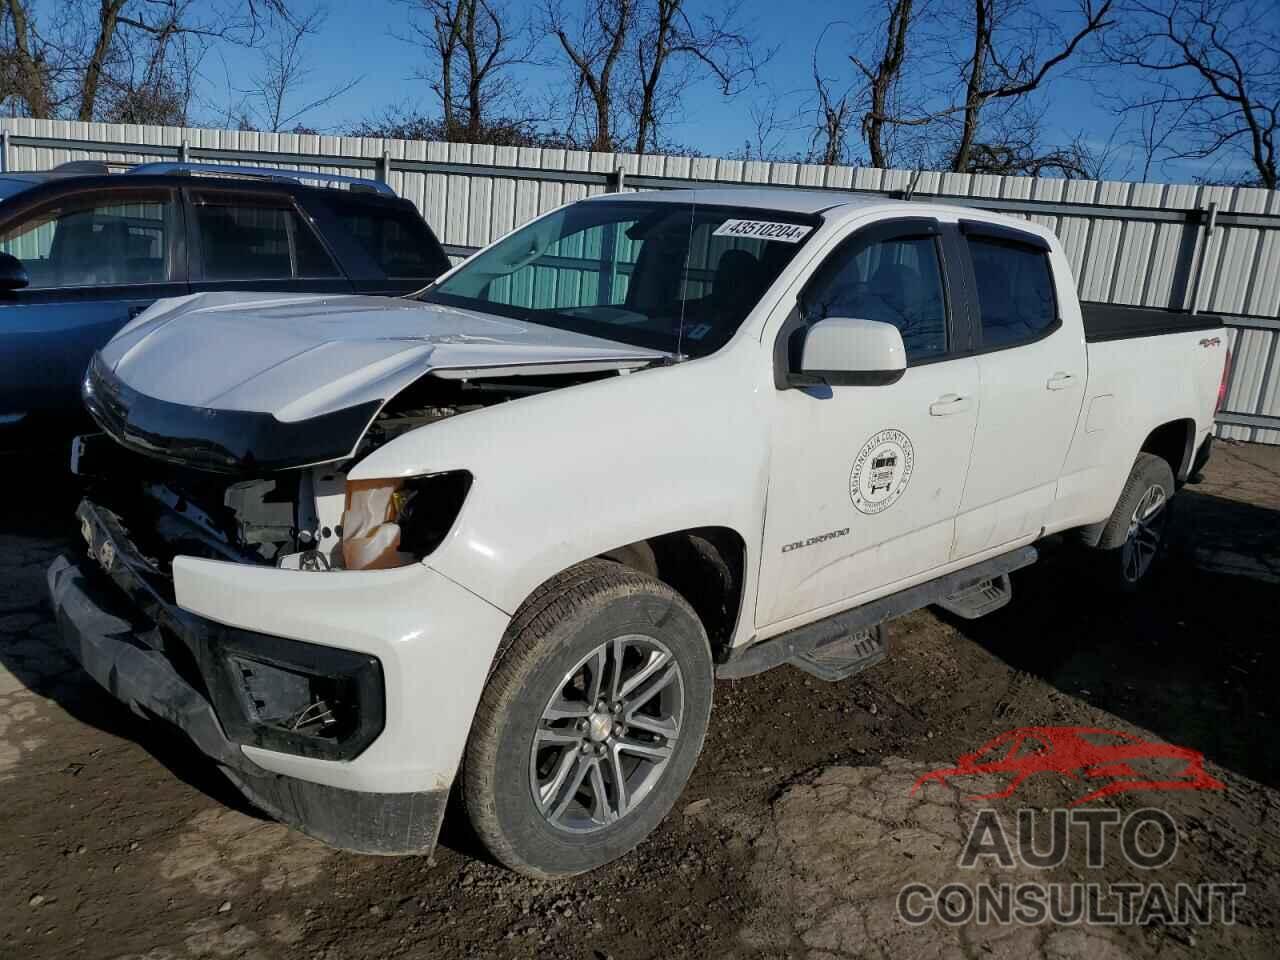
x=392 y=523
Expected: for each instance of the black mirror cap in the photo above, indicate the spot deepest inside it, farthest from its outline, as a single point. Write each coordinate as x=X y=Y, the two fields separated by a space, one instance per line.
x=844 y=378
x=13 y=273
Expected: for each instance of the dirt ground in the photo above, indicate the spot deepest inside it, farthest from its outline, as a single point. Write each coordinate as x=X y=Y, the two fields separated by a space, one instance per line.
x=794 y=837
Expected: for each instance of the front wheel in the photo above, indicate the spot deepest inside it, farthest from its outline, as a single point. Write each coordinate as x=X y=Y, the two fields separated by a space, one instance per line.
x=1135 y=534
x=591 y=722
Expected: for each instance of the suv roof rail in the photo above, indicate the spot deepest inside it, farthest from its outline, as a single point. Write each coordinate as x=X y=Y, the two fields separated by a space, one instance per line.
x=82 y=167
x=262 y=173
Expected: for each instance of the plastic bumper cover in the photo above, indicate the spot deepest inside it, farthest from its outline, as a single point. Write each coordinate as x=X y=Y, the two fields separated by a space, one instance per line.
x=109 y=647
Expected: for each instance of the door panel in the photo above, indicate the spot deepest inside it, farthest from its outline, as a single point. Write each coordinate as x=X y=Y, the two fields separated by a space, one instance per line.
x=865 y=481
x=95 y=258
x=832 y=529
x=46 y=342
x=1032 y=374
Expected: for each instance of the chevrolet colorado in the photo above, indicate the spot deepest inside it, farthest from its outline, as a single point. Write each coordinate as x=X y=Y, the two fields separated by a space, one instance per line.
x=502 y=537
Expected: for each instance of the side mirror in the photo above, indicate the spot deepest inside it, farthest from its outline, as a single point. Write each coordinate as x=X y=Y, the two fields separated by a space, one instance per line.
x=13 y=273
x=844 y=351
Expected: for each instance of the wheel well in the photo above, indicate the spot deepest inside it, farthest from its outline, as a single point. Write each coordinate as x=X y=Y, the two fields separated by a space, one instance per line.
x=1173 y=442
x=705 y=565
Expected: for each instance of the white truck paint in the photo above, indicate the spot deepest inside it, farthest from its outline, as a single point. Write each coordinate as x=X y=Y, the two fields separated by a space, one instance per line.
x=839 y=493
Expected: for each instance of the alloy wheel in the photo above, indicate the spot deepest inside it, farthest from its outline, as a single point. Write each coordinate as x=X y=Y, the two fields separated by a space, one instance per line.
x=607 y=734
x=1146 y=531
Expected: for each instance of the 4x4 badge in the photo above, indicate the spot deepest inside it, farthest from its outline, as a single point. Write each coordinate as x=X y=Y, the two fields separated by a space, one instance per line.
x=881 y=471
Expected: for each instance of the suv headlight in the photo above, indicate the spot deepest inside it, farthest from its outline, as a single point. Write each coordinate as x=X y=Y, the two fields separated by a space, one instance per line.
x=392 y=523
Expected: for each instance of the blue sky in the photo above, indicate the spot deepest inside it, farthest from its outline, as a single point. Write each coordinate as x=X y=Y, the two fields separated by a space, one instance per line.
x=358 y=39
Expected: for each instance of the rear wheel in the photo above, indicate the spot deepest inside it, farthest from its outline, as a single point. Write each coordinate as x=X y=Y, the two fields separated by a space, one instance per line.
x=1135 y=534
x=591 y=722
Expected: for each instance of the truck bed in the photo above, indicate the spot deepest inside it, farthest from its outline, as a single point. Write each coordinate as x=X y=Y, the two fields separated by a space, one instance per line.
x=1113 y=321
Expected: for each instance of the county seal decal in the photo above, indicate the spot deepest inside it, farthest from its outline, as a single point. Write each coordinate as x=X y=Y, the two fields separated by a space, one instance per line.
x=881 y=471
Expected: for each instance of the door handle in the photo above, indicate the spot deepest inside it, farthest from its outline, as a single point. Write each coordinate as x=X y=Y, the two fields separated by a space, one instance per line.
x=948 y=404
x=1060 y=381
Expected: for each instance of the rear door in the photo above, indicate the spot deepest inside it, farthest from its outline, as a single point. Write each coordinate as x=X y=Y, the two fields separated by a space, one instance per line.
x=865 y=481
x=1032 y=373
x=95 y=259
x=255 y=240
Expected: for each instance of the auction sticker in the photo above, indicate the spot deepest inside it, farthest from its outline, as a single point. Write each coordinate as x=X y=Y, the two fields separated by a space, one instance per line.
x=881 y=471
x=763 y=230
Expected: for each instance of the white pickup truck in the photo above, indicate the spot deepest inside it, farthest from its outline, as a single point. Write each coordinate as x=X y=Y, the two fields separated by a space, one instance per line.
x=502 y=537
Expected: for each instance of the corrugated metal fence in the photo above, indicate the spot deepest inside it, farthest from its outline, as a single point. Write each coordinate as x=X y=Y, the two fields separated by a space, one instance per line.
x=1212 y=249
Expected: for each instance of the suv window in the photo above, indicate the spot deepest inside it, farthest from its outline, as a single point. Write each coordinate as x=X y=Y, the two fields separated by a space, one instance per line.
x=78 y=242
x=396 y=240
x=1015 y=291
x=255 y=238
x=896 y=280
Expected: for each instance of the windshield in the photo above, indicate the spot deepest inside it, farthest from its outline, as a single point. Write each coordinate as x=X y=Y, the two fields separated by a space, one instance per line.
x=669 y=276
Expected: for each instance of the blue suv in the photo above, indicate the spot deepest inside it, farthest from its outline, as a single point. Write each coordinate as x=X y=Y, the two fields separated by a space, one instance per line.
x=83 y=251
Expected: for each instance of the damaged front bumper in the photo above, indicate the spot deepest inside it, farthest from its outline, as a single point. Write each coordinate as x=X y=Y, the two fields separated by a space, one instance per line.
x=216 y=651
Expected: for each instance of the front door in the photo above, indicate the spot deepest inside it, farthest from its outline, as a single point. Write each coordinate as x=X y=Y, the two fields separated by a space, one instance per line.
x=95 y=260
x=865 y=481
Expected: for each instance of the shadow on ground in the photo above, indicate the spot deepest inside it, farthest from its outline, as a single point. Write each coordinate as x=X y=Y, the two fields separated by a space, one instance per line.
x=1192 y=658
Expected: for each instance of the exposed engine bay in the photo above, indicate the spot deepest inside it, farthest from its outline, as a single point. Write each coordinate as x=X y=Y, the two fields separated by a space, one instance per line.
x=307 y=518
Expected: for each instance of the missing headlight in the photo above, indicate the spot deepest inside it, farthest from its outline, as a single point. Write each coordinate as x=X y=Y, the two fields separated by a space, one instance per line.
x=391 y=523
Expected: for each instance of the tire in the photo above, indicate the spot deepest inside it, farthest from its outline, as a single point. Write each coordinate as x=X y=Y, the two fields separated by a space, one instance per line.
x=520 y=800
x=1132 y=539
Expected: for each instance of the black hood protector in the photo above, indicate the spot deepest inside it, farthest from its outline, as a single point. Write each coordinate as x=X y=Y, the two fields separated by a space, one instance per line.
x=219 y=441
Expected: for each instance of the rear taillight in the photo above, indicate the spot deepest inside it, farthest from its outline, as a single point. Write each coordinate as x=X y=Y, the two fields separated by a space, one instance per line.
x=1222 y=387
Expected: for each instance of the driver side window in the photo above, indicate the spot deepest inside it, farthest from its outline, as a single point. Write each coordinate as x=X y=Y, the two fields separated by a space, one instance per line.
x=897 y=280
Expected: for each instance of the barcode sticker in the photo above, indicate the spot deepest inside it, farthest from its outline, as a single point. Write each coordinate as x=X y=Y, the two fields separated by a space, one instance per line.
x=763 y=230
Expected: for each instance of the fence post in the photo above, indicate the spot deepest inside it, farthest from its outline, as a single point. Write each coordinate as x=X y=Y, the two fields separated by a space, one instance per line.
x=1211 y=223
x=614 y=182
x=4 y=152
x=384 y=167
x=184 y=151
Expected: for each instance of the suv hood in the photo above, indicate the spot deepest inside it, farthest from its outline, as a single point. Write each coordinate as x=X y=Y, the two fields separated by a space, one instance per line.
x=298 y=357
x=240 y=383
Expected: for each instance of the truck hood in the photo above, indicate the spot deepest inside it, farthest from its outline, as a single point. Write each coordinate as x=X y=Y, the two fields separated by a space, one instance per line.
x=300 y=357
x=241 y=383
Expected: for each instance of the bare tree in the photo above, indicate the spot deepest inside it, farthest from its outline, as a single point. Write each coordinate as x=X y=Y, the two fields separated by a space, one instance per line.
x=26 y=76
x=882 y=77
x=997 y=71
x=1213 y=72
x=275 y=101
x=119 y=59
x=595 y=44
x=834 y=114
x=471 y=46
x=713 y=45
x=630 y=63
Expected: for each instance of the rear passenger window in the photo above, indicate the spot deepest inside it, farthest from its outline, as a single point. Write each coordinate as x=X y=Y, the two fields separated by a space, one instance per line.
x=897 y=281
x=243 y=238
x=1015 y=292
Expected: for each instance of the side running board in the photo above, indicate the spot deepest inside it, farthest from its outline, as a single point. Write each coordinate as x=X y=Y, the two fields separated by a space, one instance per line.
x=971 y=589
